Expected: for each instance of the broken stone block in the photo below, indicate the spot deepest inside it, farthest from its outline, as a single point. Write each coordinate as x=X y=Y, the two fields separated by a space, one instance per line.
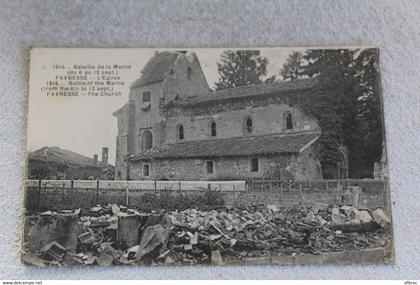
x=188 y=246
x=53 y=251
x=362 y=216
x=105 y=259
x=164 y=254
x=128 y=229
x=43 y=229
x=216 y=258
x=381 y=218
x=87 y=237
x=153 y=237
x=111 y=232
x=115 y=209
x=72 y=259
x=273 y=208
x=330 y=237
x=335 y=211
x=338 y=219
x=321 y=220
x=194 y=239
x=310 y=217
x=347 y=210
x=169 y=260
x=30 y=259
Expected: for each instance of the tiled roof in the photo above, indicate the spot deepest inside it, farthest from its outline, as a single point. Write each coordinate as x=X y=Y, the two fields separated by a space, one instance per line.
x=254 y=90
x=63 y=156
x=258 y=145
x=156 y=68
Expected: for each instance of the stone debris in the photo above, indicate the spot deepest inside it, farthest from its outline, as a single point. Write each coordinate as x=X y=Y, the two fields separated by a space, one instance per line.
x=381 y=218
x=113 y=234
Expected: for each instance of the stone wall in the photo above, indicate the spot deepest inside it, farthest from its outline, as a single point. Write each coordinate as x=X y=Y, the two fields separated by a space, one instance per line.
x=230 y=121
x=62 y=195
x=303 y=166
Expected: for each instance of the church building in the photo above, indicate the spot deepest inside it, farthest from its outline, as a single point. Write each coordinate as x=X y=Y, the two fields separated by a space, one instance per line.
x=174 y=127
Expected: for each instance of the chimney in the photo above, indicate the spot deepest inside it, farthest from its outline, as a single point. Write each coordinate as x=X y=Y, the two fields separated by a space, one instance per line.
x=95 y=159
x=105 y=155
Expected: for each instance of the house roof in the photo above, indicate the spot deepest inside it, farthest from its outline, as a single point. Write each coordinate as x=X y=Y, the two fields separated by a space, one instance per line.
x=63 y=156
x=258 y=145
x=121 y=109
x=156 y=68
x=253 y=90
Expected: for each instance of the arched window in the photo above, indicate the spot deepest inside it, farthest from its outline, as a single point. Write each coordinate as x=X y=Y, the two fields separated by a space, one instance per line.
x=146 y=140
x=180 y=132
x=146 y=96
x=189 y=73
x=213 y=129
x=248 y=125
x=288 y=121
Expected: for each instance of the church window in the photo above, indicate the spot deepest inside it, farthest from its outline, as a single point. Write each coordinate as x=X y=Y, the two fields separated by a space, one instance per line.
x=146 y=140
x=189 y=73
x=213 y=129
x=289 y=121
x=248 y=125
x=146 y=97
x=180 y=132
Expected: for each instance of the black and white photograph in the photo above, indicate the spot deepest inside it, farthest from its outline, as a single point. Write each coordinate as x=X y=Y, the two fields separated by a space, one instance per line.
x=206 y=156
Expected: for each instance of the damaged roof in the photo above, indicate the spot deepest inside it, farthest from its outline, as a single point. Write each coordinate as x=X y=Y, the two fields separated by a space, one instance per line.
x=258 y=145
x=156 y=68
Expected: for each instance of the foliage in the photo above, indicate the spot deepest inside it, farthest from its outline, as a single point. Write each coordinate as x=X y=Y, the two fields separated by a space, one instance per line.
x=292 y=68
x=346 y=105
x=241 y=67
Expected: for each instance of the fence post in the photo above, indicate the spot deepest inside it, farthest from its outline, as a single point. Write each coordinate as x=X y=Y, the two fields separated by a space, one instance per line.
x=97 y=191
x=39 y=195
x=326 y=182
x=271 y=190
x=126 y=197
x=62 y=194
x=179 y=185
x=310 y=184
x=155 y=186
x=300 y=192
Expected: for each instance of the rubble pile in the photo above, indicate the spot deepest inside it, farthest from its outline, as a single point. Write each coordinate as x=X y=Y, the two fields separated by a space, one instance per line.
x=114 y=234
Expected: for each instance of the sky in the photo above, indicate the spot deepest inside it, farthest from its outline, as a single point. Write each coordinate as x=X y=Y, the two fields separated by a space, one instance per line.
x=85 y=124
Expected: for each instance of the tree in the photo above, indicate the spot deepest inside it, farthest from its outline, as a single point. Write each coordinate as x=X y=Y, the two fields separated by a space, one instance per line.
x=292 y=68
x=346 y=105
x=241 y=67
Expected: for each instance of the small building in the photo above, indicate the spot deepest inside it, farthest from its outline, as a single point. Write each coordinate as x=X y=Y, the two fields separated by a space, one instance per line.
x=60 y=164
x=174 y=127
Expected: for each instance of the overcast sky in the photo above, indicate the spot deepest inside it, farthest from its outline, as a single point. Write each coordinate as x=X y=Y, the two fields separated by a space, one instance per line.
x=86 y=124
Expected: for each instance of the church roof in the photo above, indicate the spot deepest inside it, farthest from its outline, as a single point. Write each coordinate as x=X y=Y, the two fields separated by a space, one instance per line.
x=244 y=146
x=156 y=68
x=278 y=88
